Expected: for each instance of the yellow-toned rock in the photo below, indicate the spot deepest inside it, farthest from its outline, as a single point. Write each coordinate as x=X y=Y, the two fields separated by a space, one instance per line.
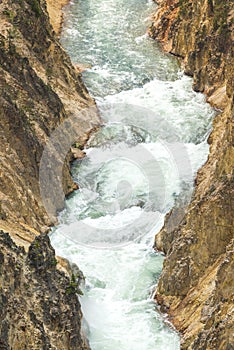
x=196 y=287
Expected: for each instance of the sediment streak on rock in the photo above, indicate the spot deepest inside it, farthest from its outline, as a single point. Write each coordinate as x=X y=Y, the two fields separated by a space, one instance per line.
x=196 y=286
x=39 y=90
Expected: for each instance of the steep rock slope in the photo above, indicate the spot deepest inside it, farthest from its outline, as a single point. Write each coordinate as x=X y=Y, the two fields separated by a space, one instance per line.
x=39 y=89
x=196 y=287
x=38 y=303
x=54 y=8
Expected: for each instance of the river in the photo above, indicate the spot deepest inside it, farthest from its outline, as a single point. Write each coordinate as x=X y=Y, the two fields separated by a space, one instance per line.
x=137 y=167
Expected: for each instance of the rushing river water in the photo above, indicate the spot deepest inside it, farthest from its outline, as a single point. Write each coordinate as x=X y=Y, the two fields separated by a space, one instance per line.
x=137 y=165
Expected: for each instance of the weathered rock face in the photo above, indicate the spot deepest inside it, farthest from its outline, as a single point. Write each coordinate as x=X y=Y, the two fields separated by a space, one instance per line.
x=202 y=34
x=196 y=286
x=39 y=89
x=54 y=8
x=39 y=308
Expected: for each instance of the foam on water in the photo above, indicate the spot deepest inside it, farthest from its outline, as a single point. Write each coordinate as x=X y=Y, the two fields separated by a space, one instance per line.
x=111 y=38
x=117 y=303
x=172 y=101
x=137 y=168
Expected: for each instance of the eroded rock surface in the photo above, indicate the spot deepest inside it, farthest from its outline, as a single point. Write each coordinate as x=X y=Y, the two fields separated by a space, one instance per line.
x=39 y=308
x=196 y=287
x=40 y=90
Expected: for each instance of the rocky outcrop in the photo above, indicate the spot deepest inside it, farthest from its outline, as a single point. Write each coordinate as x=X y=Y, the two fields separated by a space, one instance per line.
x=201 y=33
x=39 y=308
x=54 y=8
x=40 y=90
x=196 y=287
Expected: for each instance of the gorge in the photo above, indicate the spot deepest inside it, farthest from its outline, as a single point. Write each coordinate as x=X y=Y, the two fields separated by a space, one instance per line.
x=40 y=89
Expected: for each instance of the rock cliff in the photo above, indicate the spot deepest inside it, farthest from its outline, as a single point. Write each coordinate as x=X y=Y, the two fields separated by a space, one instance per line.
x=38 y=303
x=39 y=90
x=196 y=287
x=54 y=8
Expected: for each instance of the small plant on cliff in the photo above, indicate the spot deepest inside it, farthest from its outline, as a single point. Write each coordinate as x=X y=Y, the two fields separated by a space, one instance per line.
x=76 y=145
x=73 y=287
x=10 y=14
x=35 y=7
x=53 y=262
x=49 y=72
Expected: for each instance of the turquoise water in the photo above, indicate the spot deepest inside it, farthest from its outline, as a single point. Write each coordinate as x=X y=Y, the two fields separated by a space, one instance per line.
x=137 y=167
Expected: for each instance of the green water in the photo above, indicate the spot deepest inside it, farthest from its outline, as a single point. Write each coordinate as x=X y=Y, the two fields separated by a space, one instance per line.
x=137 y=166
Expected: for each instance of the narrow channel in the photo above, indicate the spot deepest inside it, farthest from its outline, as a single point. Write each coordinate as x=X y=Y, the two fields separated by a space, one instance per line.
x=137 y=167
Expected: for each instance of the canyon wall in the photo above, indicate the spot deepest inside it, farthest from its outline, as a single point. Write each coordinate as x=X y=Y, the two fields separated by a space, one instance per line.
x=40 y=89
x=55 y=11
x=196 y=287
x=39 y=308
